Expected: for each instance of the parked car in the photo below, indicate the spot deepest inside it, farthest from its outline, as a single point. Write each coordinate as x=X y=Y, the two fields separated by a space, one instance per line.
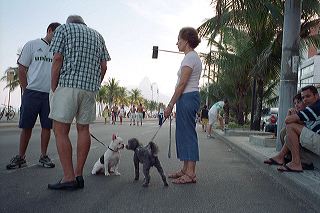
x=269 y=119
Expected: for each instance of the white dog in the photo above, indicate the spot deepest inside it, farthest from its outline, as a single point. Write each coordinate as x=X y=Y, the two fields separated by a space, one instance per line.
x=109 y=162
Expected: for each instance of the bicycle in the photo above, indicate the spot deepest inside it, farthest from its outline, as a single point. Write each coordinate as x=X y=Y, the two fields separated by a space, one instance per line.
x=7 y=113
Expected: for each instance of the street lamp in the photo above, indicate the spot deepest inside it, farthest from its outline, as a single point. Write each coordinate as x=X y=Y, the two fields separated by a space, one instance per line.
x=10 y=78
x=155 y=51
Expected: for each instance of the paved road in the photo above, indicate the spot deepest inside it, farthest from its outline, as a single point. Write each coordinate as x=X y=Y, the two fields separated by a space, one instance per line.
x=227 y=182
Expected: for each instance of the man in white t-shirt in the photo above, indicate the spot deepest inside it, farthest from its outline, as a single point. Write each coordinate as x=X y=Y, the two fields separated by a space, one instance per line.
x=35 y=76
x=214 y=115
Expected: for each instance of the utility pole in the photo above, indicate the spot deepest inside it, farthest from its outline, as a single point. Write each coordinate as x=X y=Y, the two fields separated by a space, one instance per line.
x=289 y=61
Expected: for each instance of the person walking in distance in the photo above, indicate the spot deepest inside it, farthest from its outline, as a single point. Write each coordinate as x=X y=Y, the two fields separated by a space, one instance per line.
x=34 y=64
x=204 y=117
x=79 y=66
x=139 y=114
x=133 y=115
x=121 y=113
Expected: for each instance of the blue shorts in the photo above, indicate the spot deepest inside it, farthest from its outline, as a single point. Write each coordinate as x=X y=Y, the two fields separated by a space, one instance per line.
x=34 y=103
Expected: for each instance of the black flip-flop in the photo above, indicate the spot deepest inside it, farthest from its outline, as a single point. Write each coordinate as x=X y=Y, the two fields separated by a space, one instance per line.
x=272 y=162
x=288 y=169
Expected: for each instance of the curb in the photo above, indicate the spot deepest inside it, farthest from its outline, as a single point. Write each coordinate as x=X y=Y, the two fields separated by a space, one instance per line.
x=295 y=183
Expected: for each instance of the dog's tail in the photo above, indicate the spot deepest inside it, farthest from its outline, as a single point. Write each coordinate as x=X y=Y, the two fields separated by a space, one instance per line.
x=154 y=148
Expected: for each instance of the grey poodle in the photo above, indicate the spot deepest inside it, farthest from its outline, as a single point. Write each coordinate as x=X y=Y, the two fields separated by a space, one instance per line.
x=147 y=155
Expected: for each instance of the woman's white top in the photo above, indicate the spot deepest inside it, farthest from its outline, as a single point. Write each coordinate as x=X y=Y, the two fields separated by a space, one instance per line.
x=192 y=60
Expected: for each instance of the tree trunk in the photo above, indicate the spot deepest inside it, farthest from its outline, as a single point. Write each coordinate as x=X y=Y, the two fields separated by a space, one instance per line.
x=226 y=109
x=240 y=105
x=257 y=114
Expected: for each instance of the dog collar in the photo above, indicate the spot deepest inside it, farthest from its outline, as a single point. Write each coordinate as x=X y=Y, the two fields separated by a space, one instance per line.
x=111 y=149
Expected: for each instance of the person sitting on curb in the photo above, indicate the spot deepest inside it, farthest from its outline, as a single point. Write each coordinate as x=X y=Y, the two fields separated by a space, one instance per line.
x=214 y=115
x=308 y=134
x=284 y=155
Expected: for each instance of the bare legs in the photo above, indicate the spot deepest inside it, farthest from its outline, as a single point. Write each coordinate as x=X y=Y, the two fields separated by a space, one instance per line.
x=25 y=136
x=45 y=138
x=292 y=145
x=293 y=135
x=189 y=168
x=83 y=147
x=64 y=147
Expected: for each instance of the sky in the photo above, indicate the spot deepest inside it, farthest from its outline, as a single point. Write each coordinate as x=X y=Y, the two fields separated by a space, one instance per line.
x=130 y=29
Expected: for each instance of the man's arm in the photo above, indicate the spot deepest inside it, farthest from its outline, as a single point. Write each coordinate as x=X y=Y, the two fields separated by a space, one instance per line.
x=23 y=77
x=55 y=70
x=103 y=65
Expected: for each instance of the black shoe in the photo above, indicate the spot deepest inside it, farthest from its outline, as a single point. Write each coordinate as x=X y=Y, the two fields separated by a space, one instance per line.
x=307 y=166
x=80 y=182
x=71 y=185
x=17 y=162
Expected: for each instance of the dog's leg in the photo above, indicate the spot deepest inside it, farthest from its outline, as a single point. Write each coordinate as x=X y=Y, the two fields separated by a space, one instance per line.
x=96 y=168
x=115 y=168
x=106 y=167
x=160 y=170
x=136 y=167
x=146 y=170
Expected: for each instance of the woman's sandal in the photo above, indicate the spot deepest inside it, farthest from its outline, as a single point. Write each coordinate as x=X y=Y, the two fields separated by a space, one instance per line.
x=176 y=175
x=185 y=179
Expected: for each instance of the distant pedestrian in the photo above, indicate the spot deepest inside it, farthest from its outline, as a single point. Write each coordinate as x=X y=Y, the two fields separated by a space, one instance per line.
x=121 y=113
x=35 y=63
x=79 y=66
x=160 y=114
x=105 y=114
x=114 y=112
x=139 y=114
x=187 y=98
x=204 y=117
x=214 y=116
x=133 y=115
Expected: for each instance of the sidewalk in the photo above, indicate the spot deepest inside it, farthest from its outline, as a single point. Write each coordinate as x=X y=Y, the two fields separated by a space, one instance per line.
x=305 y=185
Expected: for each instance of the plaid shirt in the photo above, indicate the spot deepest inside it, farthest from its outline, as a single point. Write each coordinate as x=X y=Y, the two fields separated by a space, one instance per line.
x=83 y=49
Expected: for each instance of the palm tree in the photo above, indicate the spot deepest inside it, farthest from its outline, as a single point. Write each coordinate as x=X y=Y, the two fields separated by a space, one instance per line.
x=102 y=98
x=13 y=84
x=135 y=96
x=122 y=96
x=262 y=21
x=112 y=91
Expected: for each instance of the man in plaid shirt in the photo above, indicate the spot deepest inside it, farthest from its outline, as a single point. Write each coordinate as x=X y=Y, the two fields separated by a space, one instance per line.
x=78 y=68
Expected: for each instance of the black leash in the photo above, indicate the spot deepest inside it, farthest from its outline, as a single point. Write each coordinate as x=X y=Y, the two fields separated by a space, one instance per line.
x=158 y=130
x=98 y=140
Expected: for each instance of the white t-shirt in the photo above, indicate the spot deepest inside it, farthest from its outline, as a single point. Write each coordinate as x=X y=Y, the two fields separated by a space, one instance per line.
x=192 y=60
x=215 y=107
x=36 y=57
x=121 y=112
x=213 y=112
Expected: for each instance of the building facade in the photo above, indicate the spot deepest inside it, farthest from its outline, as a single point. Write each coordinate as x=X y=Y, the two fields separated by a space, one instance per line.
x=309 y=72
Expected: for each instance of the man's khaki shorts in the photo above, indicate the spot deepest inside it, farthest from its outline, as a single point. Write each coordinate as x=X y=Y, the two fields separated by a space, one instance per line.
x=68 y=103
x=310 y=140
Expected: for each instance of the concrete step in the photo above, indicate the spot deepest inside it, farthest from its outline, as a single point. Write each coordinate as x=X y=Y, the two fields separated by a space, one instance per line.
x=261 y=140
